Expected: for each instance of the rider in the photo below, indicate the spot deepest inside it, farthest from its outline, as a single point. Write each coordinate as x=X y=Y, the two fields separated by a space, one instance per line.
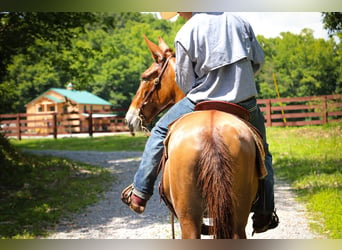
x=217 y=56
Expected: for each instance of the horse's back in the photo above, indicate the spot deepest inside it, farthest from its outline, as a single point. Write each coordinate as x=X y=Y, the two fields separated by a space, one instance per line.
x=194 y=126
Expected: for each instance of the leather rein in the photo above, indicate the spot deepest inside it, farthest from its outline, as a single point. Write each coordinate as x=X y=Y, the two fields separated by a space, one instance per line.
x=157 y=82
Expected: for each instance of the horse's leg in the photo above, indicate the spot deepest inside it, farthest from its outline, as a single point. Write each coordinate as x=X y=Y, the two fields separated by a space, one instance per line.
x=190 y=228
x=240 y=233
x=245 y=189
x=245 y=182
x=187 y=204
x=189 y=211
x=180 y=186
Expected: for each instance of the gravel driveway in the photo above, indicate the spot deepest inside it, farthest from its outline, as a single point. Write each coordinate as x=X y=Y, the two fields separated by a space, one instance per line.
x=111 y=219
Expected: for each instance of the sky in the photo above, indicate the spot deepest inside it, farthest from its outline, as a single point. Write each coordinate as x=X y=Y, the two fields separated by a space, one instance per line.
x=270 y=24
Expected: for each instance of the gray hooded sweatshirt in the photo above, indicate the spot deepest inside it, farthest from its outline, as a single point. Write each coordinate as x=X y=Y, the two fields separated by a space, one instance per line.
x=217 y=57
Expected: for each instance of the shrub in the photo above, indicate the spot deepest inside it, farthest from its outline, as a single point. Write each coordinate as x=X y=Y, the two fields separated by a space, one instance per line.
x=13 y=167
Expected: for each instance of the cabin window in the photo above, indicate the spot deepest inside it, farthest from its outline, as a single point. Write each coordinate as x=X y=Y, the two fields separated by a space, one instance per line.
x=40 y=109
x=85 y=108
x=52 y=108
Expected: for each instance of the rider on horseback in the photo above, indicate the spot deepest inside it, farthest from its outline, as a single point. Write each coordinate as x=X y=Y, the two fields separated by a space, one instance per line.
x=217 y=56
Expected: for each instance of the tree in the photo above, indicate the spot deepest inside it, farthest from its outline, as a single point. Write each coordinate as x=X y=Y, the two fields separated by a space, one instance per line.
x=332 y=22
x=105 y=57
x=304 y=66
x=32 y=73
x=19 y=32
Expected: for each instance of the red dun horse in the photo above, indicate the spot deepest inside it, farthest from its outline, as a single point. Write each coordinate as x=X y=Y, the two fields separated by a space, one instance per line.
x=212 y=160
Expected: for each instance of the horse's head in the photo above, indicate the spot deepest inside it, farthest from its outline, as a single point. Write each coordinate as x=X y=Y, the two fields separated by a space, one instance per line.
x=158 y=89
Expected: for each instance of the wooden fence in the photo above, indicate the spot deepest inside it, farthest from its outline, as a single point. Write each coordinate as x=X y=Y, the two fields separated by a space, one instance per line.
x=299 y=111
x=52 y=123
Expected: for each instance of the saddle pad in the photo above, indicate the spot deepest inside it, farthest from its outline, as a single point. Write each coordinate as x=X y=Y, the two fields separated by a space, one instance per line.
x=227 y=107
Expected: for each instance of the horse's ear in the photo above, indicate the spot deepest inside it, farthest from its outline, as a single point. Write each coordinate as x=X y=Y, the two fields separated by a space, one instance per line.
x=157 y=53
x=162 y=45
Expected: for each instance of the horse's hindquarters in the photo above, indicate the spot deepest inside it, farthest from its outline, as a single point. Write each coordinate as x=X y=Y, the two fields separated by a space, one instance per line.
x=228 y=182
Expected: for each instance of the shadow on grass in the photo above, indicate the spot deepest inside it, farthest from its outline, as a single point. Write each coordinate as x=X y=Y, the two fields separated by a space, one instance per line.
x=295 y=169
x=53 y=188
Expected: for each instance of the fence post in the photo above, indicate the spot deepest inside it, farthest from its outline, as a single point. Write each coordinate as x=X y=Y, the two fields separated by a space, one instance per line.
x=268 y=113
x=90 y=123
x=18 y=126
x=54 y=125
x=325 y=109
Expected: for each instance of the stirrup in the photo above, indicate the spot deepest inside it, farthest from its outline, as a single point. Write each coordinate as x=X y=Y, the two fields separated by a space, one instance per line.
x=272 y=223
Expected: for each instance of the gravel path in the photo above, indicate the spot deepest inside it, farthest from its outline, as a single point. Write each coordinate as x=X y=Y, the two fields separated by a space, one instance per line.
x=111 y=219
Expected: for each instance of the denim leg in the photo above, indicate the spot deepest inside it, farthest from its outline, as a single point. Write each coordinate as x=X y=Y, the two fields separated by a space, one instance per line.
x=258 y=120
x=146 y=174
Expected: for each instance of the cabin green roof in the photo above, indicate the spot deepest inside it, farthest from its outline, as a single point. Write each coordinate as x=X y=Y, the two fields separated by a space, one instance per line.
x=53 y=98
x=82 y=97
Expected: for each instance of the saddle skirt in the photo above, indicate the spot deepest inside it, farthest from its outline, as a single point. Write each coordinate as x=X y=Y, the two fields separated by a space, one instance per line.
x=227 y=107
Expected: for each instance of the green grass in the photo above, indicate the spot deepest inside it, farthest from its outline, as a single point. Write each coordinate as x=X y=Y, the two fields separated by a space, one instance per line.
x=310 y=159
x=50 y=189
x=105 y=143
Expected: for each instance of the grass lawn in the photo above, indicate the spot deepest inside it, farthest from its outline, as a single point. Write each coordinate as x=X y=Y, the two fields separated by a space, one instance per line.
x=309 y=158
x=36 y=191
x=105 y=143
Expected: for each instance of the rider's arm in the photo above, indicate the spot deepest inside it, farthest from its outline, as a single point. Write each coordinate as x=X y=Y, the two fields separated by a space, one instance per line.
x=185 y=75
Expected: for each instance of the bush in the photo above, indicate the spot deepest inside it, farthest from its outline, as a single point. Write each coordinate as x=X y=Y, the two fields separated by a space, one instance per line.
x=13 y=167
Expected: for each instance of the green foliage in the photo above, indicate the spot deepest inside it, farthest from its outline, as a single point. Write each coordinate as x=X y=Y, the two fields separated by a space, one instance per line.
x=332 y=21
x=30 y=43
x=13 y=167
x=19 y=30
x=105 y=53
x=105 y=57
x=34 y=72
x=304 y=66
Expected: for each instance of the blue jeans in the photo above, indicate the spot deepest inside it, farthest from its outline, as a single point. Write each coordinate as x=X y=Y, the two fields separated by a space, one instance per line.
x=258 y=120
x=146 y=175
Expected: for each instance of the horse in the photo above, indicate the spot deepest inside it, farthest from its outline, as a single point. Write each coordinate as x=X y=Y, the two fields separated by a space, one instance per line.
x=212 y=157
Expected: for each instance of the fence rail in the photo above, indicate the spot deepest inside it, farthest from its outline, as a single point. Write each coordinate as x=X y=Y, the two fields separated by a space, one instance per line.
x=52 y=123
x=300 y=111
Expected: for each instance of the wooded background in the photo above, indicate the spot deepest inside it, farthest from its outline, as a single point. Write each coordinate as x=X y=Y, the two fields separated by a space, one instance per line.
x=105 y=53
